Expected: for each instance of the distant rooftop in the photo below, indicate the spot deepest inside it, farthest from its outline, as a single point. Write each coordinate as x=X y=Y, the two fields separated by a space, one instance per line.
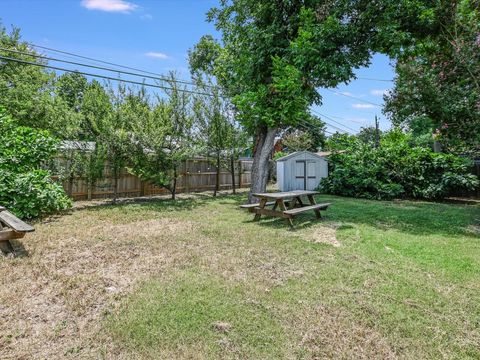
x=77 y=145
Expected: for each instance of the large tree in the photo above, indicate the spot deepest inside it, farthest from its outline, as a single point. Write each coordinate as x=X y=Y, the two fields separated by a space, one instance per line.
x=437 y=84
x=273 y=56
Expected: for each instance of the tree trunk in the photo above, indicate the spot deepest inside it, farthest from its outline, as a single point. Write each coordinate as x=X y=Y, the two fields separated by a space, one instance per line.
x=90 y=185
x=70 y=186
x=232 y=171
x=217 y=176
x=265 y=140
x=115 y=185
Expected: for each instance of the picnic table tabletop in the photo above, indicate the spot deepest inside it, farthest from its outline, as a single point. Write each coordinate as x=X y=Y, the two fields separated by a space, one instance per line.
x=285 y=194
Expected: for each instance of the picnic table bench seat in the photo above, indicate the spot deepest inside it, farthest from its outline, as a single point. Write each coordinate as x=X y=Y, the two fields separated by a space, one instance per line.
x=11 y=228
x=299 y=210
x=249 y=206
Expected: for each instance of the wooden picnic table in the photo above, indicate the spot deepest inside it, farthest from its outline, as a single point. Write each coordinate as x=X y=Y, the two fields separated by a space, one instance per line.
x=289 y=203
x=11 y=228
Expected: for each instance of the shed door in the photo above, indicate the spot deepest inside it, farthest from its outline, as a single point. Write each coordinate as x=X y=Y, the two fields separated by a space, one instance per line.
x=311 y=181
x=305 y=176
x=300 y=172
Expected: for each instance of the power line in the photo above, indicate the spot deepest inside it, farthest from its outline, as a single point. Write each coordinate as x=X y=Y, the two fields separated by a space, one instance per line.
x=96 y=60
x=102 y=76
x=372 y=79
x=335 y=121
x=353 y=97
x=308 y=126
x=99 y=67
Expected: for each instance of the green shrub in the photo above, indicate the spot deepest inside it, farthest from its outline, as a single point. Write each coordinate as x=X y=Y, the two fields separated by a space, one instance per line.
x=25 y=188
x=396 y=169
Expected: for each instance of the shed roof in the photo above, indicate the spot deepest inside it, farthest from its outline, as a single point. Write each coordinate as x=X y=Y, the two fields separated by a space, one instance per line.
x=299 y=153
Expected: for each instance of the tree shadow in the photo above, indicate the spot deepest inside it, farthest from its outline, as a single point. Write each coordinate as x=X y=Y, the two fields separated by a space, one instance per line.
x=156 y=204
x=413 y=217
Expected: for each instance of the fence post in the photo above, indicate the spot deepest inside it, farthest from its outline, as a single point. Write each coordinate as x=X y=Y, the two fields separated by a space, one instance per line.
x=187 y=178
x=89 y=190
x=239 y=174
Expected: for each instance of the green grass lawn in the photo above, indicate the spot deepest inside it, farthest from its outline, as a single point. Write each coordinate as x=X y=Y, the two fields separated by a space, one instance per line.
x=403 y=281
x=198 y=279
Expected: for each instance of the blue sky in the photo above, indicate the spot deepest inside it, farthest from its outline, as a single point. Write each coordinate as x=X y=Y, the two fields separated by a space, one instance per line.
x=156 y=35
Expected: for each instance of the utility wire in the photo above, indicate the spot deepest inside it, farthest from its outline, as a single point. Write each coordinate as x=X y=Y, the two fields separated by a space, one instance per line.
x=309 y=125
x=372 y=79
x=335 y=121
x=352 y=97
x=99 y=67
x=97 y=60
x=121 y=72
x=102 y=76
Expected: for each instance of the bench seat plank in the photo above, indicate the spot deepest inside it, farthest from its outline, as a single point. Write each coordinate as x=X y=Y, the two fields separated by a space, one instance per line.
x=7 y=218
x=249 y=206
x=299 y=210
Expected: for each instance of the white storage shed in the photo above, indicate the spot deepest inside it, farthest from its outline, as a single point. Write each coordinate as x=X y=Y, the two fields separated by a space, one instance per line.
x=301 y=170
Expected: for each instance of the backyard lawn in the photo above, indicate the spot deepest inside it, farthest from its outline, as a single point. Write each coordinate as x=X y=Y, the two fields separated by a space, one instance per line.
x=197 y=278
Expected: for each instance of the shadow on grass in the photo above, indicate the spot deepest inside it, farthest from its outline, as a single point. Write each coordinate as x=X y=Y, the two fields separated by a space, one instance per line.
x=184 y=202
x=413 y=217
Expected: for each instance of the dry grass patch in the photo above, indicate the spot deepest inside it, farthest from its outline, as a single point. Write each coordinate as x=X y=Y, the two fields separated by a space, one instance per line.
x=53 y=299
x=325 y=235
x=331 y=334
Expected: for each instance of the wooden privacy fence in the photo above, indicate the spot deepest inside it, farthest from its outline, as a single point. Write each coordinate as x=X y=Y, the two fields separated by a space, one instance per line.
x=195 y=175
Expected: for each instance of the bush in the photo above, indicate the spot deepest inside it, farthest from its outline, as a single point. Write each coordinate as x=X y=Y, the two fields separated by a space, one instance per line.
x=25 y=188
x=396 y=169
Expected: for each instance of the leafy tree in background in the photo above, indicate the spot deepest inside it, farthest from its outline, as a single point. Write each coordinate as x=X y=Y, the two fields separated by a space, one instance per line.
x=25 y=187
x=114 y=135
x=163 y=137
x=310 y=137
x=24 y=89
x=368 y=135
x=178 y=125
x=437 y=86
x=297 y=140
x=216 y=133
x=316 y=128
x=71 y=87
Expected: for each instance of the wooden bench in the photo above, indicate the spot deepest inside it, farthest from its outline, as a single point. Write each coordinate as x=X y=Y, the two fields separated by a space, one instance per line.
x=315 y=207
x=11 y=228
x=251 y=207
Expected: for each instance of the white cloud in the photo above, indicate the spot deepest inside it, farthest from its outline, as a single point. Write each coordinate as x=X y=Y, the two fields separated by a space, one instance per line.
x=157 y=55
x=363 y=106
x=109 y=5
x=377 y=92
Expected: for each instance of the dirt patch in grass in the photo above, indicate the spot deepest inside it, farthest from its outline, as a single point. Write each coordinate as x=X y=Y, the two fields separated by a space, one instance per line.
x=325 y=235
x=331 y=334
x=53 y=299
